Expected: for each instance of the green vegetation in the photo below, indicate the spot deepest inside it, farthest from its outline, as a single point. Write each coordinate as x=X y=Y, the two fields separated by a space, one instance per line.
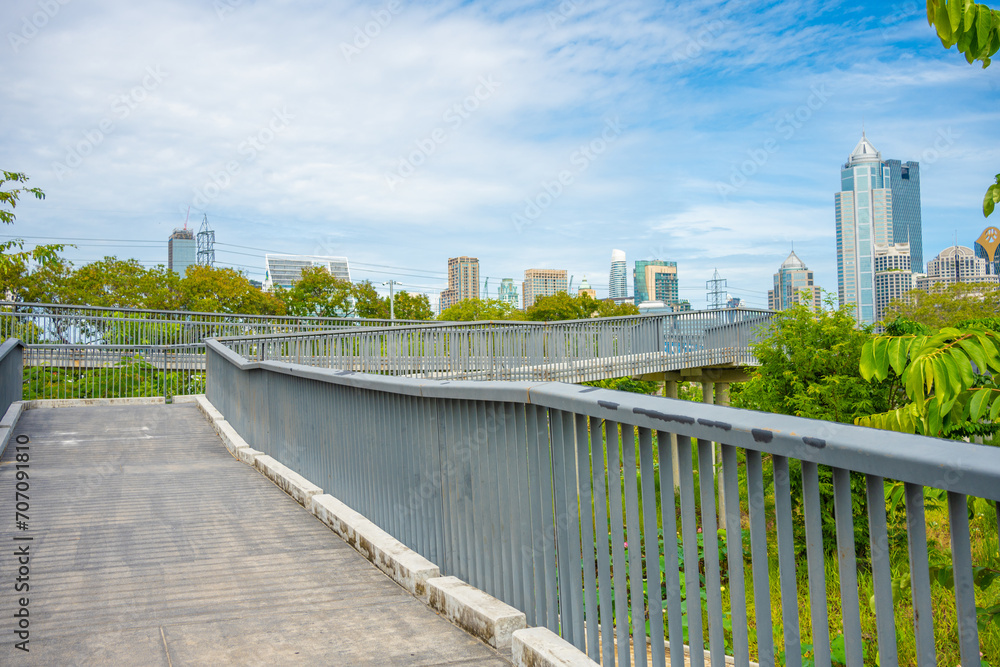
x=134 y=376
x=949 y=307
x=551 y=308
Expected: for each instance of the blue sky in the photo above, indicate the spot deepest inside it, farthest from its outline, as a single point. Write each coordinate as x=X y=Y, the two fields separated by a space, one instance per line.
x=530 y=135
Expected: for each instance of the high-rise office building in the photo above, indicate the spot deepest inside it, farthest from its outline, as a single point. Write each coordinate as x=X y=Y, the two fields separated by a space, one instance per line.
x=618 y=281
x=285 y=270
x=904 y=182
x=893 y=277
x=793 y=283
x=508 y=291
x=956 y=264
x=864 y=220
x=542 y=282
x=463 y=281
x=182 y=251
x=987 y=248
x=655 y=280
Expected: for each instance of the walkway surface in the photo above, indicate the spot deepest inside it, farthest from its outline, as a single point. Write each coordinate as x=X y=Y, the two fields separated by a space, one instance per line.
x=151 y=545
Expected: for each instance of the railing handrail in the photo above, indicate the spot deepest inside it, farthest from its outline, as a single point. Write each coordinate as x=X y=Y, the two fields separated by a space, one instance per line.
x=947 y=464
x=190 y=313
x=8 y=346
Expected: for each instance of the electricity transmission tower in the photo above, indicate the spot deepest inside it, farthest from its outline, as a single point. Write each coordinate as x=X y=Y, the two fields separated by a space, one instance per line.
x=716 y=292
x=206 y=244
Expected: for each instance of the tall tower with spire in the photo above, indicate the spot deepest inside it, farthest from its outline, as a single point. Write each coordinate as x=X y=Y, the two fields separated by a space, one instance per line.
x=864 y=220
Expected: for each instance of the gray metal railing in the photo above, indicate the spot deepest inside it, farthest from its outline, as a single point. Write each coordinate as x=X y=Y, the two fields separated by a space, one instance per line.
x=574 y=351
x=10 y=372
x=112 y=371
x=92 y=325
x=554 y=498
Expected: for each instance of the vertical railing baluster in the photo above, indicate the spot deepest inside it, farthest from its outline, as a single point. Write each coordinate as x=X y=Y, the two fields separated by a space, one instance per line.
x=758 y=558
x=965 y=592
x=602 y=535
x=847 y=564
x=652 y=547
x=689 y=529
x=786 y=561
x=710 y=540
x=814 y=556
x=634 y=532
x=881 y=570
x=920 y=585
x=734 y=556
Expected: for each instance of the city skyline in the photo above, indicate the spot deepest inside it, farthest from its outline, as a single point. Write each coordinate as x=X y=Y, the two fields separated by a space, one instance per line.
x=692 y=132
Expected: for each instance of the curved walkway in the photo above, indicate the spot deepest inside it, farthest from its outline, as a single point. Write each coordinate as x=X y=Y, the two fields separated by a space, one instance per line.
x=151 y=545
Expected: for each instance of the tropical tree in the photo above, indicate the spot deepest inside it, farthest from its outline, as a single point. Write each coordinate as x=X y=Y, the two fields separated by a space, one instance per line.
x=948 y=377
x=974 y=29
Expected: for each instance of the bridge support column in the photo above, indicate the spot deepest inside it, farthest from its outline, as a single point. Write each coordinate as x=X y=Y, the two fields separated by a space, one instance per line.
x=670 y=391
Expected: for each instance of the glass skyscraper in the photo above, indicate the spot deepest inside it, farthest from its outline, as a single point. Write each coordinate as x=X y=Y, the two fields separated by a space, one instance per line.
x=864 y=220
x=618 y=280
x=655 y=280
x=904 y=181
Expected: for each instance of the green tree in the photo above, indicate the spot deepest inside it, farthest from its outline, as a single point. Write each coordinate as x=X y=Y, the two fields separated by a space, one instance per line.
x=608 y=308
x=412 y=306
x=809 y=367
x=320 y=293
x=122 y=283
x=477 y=310
x=224 y=290
x=14 y=265
x=946 y=308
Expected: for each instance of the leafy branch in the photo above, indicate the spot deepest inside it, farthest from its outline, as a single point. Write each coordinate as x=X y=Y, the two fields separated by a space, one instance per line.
x=948 y=396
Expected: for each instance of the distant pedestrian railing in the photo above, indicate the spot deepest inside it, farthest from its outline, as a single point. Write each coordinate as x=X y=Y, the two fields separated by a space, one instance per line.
x=563 y=501
x=56 y=324
x=573 y=351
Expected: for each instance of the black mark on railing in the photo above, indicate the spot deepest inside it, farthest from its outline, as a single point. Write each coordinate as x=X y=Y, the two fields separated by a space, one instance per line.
x=656 y=414
x=818 y=443
x=589 y=389
x=760 y=435
x=610 y=405
x=723 y=425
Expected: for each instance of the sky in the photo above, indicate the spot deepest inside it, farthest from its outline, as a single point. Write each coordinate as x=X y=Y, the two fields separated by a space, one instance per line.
x=527 y=134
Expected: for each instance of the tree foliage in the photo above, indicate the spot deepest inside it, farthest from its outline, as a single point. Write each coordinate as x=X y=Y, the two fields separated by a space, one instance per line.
x=809 y=367
x=973 y=28
x=948 y=307
x=14 y=264
x=224 y=290
x=319 y=293
x=947 y=377
x=478 y=310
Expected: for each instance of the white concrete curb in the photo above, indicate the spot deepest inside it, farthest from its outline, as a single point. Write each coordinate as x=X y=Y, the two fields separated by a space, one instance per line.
x=289 y=481
x=403 y=565
x=474 y=611
x=214 y=416
x=81 y=402
x=540 y=647
x=248 y=455
x=8 y=422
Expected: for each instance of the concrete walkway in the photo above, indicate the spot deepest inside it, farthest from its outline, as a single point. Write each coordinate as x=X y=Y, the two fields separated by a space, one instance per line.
x=151 y=545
